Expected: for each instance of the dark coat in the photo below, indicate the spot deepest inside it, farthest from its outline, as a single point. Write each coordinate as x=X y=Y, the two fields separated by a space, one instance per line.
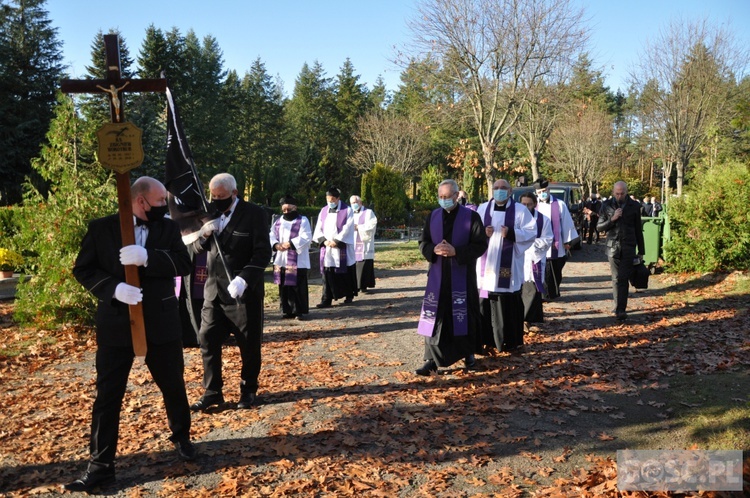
x=624 y=233
x=98 y=269
x=247 y=252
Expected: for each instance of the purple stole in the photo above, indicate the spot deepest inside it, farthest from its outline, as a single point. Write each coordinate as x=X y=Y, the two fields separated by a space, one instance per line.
x=506 y=251
x=290 y=274
x=536 y=268
x=359 y=246
x=461 y=231
x=340 y=222
x=555 y=219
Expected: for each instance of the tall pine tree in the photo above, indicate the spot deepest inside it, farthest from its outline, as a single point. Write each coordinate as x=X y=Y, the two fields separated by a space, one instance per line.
x=30 y=68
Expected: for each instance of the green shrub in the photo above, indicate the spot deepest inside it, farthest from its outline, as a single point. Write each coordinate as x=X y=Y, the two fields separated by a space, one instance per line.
x=428 y=186
x=389 y=199
x=52 y=227
x=710 y=226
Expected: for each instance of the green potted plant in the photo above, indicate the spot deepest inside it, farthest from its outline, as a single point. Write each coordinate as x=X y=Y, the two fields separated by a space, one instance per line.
x=10 y=261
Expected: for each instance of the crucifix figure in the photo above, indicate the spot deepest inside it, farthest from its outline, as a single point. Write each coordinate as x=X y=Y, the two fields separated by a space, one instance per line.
x=114 y=95
x=114 y=86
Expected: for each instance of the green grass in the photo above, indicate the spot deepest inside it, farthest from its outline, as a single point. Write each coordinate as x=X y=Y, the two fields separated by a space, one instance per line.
x=397 y=255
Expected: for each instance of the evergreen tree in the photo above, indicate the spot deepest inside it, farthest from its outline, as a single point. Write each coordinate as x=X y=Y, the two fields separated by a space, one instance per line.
x=30 y=69
x=79 y=191
x=351 y=100
x=310 y=117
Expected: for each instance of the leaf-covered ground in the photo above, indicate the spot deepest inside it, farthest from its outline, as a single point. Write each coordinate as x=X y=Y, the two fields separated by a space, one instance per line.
x=343 y=414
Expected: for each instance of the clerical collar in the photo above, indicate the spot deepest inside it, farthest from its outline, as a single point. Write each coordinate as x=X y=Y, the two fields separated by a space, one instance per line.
x=500 y=207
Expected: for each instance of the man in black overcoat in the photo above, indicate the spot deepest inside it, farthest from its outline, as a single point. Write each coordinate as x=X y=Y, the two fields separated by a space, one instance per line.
x=160 y=256
x=233 y=292
x=620 y=217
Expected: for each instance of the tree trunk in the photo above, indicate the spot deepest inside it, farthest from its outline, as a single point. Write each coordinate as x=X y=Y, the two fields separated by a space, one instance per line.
x=680 y=176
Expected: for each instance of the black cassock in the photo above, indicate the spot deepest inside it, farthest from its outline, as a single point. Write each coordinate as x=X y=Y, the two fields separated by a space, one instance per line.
x=443 y=346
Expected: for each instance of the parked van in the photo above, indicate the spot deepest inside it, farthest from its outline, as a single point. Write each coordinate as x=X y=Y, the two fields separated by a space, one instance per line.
x=571 y=194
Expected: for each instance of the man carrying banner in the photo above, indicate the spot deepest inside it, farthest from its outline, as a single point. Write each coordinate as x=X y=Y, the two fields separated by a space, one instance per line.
x=238 y=252
x=452 y=240
x=290 y=238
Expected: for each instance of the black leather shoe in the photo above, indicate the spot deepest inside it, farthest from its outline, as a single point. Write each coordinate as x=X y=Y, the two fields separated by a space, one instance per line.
x=287 y=316
x=185 y=450
x=92 y=479
x=323 y=304
x=349 y=300
x=429 y=367
x=621 y=316
x=470 y=362
x=207 y=402
x=247 y=400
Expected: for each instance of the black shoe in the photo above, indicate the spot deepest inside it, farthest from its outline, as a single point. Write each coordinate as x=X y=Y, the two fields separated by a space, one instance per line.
x=301 y=318
x=185 y=450
x=207 y=402
x=429 y=367
x=323 y=304
x=287 y=316
x=470 y=362
x=247 y=400
x=621 y=316
x=92 y=479
x=349 y=300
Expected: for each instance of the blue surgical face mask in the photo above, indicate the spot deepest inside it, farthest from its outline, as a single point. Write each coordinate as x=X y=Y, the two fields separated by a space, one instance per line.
x=500 y=195
x=355 y=206
x=543 y=196
x=446 y=203
x=333 y=205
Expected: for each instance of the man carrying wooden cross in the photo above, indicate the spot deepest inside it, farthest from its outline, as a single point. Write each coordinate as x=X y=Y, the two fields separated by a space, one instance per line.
x=129 y=262
x=160 y=256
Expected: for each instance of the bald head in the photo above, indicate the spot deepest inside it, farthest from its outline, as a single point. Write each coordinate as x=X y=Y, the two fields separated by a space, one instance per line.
x=145 y=193
x=620 y=192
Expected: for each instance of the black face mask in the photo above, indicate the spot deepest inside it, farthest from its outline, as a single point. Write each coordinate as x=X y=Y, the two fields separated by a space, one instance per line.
x=221 y=205
x=156 y=212
x=291 y=215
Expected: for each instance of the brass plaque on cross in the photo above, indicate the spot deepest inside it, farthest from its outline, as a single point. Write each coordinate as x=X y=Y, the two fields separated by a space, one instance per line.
x=120 y=146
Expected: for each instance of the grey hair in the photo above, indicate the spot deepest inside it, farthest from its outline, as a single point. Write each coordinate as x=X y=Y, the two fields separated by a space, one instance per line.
x=223 y=180
x=358 y=198
x=452 y=183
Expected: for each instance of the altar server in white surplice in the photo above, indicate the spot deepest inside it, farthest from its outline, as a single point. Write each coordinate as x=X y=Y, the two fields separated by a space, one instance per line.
x=365 y=224
x=535 y=262
x=511 y=230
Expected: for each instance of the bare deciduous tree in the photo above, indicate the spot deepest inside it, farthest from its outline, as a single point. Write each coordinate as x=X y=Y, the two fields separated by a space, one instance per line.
x=537 y=120
x=392 y=140
x=688 y=73
x=496 y=51
x=581 y=144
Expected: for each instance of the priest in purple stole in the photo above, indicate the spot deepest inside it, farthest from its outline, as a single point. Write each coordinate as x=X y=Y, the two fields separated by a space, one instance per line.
x=334 y=231
x=452 y=240
x=511 y=230
x=534 y=262
x=290 y=239
x=563 y=233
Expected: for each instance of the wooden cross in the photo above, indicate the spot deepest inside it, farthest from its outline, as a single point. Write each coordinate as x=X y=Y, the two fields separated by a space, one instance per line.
x=114 y=86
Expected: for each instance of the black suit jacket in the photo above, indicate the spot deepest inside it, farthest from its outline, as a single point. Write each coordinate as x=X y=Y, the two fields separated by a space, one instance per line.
x=247 y=252
x=625 y=232
x=98 y=269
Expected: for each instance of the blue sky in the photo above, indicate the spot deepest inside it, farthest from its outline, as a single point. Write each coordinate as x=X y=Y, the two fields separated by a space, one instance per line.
x=287 y=33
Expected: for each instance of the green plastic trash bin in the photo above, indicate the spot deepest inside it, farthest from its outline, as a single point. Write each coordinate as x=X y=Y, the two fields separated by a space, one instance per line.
x=652 y=238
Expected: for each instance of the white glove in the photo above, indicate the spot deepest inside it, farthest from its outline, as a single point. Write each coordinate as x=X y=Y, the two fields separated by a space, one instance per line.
x=209 y=227
x=134 y=255
x=237 y=287
x=128 y=294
